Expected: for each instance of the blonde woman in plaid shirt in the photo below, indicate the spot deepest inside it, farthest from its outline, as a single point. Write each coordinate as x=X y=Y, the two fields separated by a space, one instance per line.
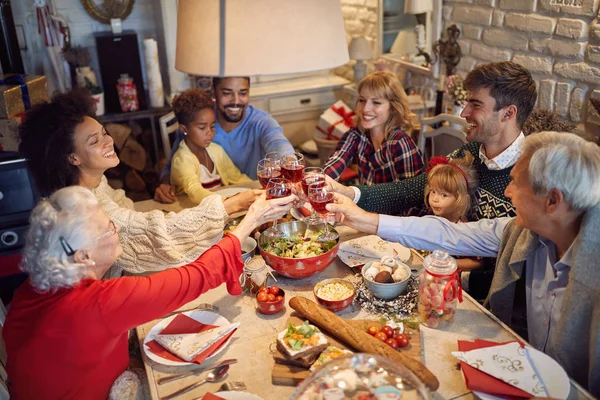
x=380 y=143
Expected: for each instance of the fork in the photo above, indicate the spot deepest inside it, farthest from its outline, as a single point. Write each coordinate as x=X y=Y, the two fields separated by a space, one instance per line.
x=202 y=306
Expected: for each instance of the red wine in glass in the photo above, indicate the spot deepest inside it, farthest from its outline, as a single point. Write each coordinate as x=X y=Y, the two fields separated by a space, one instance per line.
x=266 y=175
x=278 y=192
x=293 y=172
x=318 y=202
x=277 y=188
x=312 y=179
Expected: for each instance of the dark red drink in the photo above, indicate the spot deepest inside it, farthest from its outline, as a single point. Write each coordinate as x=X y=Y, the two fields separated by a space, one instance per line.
x=292 y=172
x=319 y=200
x=278 y=192
x=264 y=176
x=314 y=179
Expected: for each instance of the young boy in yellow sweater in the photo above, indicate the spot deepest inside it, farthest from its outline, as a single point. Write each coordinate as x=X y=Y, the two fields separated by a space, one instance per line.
x=200 y=165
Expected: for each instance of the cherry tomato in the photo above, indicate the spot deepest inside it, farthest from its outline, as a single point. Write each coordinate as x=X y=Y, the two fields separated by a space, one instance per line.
x=388 y=331
x=270 y=297
x=381 y=336
x=373 y=330
x=402 y=340
x=278 y=298
x=263 y=289
x=274 y=290
x=261 y=297
x=392 y=343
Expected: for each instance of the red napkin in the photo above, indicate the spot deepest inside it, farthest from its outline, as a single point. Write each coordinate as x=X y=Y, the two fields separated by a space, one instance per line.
x=210 y=396
x=305 y=211
x=184 y=324
x=480 y=381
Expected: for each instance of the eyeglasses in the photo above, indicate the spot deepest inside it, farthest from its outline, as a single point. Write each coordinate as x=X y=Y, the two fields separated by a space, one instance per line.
x=69 y=250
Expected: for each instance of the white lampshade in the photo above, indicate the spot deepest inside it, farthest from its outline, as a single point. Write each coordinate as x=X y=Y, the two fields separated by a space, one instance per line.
x=360 y=49
x=417 y=6
x=259 y=37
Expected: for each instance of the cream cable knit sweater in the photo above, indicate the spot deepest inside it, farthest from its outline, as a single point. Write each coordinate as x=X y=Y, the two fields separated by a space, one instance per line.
x=154 y=241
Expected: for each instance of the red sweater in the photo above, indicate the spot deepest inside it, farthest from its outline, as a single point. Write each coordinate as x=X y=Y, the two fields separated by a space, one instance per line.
x=72 y=343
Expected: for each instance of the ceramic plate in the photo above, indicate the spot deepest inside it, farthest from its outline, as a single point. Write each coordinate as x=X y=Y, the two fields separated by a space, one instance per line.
x=228 y=192
x=204 y=316
x=297 y=214
x=551 y=373
x=233 y=395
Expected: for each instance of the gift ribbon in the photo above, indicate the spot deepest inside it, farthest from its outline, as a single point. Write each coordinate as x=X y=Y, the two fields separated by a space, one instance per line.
x=18 y=80
x=346 y=120
x=453 y=287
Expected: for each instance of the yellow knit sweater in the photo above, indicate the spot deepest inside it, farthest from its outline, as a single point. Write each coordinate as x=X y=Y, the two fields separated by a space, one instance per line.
x=185 y=171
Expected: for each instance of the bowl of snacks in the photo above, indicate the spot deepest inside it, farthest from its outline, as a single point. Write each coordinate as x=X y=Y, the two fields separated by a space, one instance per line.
x=248 y=247
x=298 y=252
x=334 y=294
x=270 y=299
x=386 y=279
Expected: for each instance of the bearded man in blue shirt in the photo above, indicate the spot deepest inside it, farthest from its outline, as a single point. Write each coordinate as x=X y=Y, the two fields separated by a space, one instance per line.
x=547 y=273
x=245 y=132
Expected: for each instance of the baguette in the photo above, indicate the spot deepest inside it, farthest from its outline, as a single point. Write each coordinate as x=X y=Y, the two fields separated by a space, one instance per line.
x=358 y=339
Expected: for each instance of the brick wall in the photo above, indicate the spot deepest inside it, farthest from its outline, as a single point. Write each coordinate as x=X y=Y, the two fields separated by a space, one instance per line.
x=82 y=28
x=557 y=40
x=360 y=19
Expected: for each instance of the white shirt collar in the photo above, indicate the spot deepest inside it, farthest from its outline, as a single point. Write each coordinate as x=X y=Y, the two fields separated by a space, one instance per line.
x=507 y=158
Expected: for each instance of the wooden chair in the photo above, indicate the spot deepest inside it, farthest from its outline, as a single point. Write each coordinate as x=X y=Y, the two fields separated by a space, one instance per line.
x=3 y=376
x=444 y=139
x=168 y=124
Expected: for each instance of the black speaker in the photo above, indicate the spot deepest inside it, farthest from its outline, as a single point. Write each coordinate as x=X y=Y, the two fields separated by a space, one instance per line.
x=119 y=54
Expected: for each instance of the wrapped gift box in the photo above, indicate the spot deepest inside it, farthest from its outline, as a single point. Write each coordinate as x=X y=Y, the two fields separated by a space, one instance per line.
x=19 y=92
x=335 y=121
x=9 y=134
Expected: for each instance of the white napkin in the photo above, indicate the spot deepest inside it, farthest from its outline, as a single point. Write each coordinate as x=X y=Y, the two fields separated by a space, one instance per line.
x=508 y=362
x=188 y=345
x=365 y=249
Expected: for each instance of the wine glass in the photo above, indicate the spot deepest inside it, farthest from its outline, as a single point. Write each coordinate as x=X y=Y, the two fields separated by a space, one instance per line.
x=267 y=169
x=320 y=194
x=312 y=175
x=277 y=188
x=292 y=168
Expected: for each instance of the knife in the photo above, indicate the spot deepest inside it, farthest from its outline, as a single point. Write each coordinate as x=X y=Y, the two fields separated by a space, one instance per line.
x=162 y=381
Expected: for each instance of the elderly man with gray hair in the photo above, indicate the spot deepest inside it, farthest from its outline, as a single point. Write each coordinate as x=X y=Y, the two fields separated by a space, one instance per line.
x=547 y=274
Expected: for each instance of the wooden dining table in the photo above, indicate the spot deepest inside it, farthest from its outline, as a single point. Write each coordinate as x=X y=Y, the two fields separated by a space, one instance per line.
x=253 y=343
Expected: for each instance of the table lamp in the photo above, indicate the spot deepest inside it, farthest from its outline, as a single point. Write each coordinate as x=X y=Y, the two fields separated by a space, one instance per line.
x=360 y=50
x=420 y=8
x=259 y=37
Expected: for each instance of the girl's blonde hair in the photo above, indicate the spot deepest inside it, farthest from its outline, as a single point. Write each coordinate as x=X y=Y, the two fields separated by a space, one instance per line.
x=448 y=178
x=387 y=85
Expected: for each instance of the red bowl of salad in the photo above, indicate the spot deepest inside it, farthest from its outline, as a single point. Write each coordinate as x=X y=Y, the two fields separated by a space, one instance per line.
x=298 y=254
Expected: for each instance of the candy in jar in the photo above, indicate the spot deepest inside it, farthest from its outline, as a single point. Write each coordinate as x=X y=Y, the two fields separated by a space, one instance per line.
x=127 y=93
x=439 y=289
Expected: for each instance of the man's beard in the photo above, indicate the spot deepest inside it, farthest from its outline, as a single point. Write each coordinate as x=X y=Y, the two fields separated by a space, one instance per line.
x=233 y=119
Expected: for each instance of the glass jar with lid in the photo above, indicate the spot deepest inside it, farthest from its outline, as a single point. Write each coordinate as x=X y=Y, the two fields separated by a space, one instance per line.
x=439 y=290
x=256 y=273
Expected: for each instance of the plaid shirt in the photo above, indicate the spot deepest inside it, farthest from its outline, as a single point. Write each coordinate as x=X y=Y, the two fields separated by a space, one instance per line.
x=397 y=159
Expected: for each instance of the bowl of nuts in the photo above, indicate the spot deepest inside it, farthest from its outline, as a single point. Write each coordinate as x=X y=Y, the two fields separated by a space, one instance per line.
x=386 y=279
x=334 y=294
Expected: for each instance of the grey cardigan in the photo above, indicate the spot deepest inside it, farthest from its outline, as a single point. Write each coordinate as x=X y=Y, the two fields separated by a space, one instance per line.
x=576 y=346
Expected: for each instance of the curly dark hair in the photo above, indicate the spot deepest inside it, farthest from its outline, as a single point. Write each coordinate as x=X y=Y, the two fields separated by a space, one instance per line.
x=47 y=139
x=509 y=83
x=188 y=103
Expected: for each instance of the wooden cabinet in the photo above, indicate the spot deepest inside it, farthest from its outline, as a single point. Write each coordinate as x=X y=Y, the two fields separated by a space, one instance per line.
x=297 y=103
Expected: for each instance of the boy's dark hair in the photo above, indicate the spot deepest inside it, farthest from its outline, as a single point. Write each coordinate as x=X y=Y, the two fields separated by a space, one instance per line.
x=218 y=79
x=47 y=139
x=188 y=103
x=509 y=83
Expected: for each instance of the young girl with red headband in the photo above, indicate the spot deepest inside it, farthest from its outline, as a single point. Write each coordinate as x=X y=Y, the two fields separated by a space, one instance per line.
x=450 y=183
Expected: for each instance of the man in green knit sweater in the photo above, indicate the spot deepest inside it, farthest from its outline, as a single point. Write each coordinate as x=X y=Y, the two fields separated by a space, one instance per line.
x=501 y=97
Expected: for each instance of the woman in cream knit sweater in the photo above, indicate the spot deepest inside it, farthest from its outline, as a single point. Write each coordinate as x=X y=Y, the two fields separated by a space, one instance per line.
x=66 y=146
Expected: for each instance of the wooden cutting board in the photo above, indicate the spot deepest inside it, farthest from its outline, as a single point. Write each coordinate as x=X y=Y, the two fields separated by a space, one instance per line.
x=289 y=375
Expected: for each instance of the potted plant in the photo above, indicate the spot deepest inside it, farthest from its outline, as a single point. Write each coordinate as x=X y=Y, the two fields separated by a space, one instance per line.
x=456 y=91
x=79 y=59
x=97 y=95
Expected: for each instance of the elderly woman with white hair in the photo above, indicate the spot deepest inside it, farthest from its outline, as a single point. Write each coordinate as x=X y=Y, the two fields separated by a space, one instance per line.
x=547 y=269
x=66 y=329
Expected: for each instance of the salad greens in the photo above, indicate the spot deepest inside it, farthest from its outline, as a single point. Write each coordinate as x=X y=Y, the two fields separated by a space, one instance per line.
x=298 y=246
